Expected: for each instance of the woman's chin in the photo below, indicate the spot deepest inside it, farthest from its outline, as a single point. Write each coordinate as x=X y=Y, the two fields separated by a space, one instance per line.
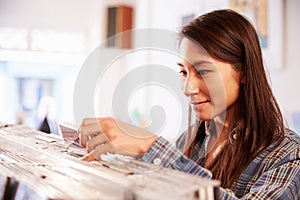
x=202 y=117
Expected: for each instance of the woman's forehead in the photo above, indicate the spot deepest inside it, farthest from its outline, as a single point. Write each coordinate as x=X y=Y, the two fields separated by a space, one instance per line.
x=190 y=49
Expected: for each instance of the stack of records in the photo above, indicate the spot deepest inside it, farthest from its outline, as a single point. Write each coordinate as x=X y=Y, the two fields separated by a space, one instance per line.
x=35 y=165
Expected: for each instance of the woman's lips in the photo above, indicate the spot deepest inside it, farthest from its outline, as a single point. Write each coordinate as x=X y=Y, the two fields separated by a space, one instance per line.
x=198 y=104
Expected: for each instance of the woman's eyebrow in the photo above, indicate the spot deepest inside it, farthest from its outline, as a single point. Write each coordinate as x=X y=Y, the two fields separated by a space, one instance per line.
x=201 y=63
x=195 y=64
x=179 y=64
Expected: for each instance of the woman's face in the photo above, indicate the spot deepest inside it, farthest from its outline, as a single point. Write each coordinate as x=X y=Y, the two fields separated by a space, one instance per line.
x=211 y=86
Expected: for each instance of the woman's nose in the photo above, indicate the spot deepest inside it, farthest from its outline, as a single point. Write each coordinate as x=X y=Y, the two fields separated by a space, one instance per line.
x=190 y=86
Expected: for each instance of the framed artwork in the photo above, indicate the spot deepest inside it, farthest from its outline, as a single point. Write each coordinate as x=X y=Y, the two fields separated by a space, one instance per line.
x=268 y=19
x=257 y=12
x=187 y=18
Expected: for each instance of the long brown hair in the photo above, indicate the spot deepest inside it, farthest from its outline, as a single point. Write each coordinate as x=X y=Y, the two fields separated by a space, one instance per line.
x=229 y=37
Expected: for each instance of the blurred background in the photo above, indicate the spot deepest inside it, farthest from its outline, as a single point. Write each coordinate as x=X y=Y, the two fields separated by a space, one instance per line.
x=43 y=43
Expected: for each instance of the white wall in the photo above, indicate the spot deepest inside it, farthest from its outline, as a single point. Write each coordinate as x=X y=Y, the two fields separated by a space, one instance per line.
x=284 y=77
x=76 y=16
x=89 y=17
x=286 y=81
x=60 y=15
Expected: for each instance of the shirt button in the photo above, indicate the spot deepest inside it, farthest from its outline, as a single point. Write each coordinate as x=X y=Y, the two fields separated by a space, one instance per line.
x=157 y=161
x=234 y=136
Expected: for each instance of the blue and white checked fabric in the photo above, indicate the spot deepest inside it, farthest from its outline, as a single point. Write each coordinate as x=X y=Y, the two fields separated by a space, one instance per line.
x=271 y=175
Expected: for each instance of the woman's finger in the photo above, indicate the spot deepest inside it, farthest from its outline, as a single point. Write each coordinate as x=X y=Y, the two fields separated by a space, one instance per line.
x=87 y=132
x=95 y=141
x=88 y=157
x=88 y=121
x=100 y=149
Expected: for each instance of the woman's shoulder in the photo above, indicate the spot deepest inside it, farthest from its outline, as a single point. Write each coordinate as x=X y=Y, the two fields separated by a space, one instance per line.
x=291 y=140
x=288 y=150
x=290 y=135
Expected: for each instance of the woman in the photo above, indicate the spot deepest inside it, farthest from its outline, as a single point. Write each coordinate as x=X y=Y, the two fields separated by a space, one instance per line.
x=238 y=137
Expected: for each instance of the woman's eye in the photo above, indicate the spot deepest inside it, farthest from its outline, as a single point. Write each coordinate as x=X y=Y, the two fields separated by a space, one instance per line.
x=203 y=72
x=182 y=72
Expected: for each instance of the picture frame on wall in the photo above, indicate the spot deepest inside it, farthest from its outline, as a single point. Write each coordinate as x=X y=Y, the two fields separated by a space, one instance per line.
x=187 y=18
x=268 y=18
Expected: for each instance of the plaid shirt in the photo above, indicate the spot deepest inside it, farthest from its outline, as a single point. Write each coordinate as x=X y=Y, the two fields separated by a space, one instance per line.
x=271 y=175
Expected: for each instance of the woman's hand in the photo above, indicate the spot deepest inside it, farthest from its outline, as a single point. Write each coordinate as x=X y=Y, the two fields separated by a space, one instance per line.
x=103 y=135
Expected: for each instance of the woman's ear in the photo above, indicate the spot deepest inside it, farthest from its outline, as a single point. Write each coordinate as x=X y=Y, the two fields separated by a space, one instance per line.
x=243 y=79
